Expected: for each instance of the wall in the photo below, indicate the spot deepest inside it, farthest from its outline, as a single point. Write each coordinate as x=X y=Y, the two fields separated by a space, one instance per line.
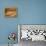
x=33 y=12
x=7 y=25
x=29 y=12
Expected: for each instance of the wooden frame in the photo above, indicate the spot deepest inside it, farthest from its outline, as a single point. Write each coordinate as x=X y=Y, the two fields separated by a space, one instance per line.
x=10 y=12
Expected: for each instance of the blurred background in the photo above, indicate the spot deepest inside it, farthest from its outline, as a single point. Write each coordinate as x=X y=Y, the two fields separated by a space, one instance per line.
x=29 y=12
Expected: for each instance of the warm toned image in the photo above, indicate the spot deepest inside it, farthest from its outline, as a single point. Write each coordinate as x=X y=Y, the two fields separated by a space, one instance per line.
x=10 y=12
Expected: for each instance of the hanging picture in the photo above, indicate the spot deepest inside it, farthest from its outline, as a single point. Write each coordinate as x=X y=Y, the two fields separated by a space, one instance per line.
x=10 y=12
x=32 y=32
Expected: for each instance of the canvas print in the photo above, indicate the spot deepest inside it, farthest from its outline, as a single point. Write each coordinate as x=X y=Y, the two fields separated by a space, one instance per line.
x=10 y=12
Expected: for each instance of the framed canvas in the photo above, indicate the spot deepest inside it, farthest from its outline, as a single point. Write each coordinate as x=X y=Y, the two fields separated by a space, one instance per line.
x=10 y=12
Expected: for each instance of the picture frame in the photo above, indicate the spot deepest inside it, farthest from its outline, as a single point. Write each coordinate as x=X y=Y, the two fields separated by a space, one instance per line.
x=10 y=12
x=34 y=30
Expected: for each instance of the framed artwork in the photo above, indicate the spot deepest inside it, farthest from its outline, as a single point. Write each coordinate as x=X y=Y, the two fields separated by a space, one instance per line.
x=32 y=32
x=10 y=12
